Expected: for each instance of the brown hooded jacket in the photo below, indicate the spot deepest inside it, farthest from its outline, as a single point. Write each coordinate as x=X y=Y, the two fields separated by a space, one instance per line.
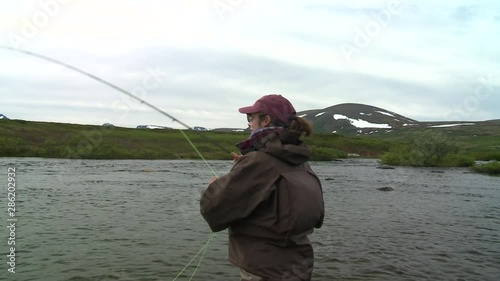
x=270 y=201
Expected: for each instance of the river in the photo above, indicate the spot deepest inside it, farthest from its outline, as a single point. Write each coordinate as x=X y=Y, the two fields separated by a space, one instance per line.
x=123 y=220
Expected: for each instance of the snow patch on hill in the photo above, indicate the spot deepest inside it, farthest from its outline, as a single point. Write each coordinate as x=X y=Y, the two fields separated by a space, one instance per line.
x=385 y=113
x=452 y=125
x=360 y=123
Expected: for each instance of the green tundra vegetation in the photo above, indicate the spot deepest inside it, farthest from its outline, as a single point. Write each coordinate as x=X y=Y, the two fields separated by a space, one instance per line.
x=481 y=142
x=428 y=148
x=57 y=140
x=492 y=168
x=410 y=147
x=450 y=147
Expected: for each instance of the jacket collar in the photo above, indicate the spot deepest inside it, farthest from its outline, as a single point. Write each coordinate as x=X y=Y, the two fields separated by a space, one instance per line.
x=257 y=139
x=278 y=142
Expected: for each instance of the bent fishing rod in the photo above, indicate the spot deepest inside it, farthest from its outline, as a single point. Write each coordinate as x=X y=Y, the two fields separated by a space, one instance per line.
x=204 y=248
x=123 y=91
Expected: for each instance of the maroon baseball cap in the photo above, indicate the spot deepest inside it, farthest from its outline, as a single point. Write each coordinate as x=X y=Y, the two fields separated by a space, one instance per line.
x=275 y=105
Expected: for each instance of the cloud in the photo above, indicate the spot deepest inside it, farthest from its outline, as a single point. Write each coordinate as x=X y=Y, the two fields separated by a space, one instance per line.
x=424 y=61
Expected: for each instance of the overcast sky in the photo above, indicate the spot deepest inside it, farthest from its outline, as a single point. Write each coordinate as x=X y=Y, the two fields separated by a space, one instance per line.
x=200 y=60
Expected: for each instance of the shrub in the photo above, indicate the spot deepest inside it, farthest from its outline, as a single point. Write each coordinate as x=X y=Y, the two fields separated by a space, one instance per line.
x=489 y=156
x=397 y=156
x=10 y=147
x=456 y=160
x=428 y=149
x=491 y=168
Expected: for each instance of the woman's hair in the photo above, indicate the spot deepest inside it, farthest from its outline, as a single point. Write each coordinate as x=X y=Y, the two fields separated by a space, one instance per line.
x=298 y=124
x=301 y=125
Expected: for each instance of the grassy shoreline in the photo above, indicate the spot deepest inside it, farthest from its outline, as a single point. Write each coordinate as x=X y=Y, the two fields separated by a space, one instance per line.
x=19 y=138
x=490 y=168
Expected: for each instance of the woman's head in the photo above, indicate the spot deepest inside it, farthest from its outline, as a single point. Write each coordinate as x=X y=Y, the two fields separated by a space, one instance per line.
x=275 y=110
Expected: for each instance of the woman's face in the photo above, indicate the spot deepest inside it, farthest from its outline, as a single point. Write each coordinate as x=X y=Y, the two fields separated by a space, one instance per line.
x=257 y=121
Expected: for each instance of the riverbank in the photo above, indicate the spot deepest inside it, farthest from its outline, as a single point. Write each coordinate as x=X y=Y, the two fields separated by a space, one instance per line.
x=20 y=138
x=490 y=168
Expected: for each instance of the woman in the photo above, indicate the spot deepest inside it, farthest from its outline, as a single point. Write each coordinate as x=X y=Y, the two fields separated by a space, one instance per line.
x=271 y=199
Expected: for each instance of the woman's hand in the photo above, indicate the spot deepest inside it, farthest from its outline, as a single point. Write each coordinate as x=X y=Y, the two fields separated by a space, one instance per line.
x=212 y=179
x=236 y=157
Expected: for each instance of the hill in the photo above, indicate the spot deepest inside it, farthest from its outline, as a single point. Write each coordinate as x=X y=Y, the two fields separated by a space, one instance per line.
x=3 y=117
x=479 y=139
x=361 y=119
x=339 y=130
x=353 y=118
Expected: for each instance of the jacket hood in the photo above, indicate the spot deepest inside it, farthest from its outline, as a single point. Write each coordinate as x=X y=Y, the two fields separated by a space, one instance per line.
x=286 y=146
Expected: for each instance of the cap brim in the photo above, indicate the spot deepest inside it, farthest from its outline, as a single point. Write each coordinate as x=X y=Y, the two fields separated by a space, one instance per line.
x=248 y=109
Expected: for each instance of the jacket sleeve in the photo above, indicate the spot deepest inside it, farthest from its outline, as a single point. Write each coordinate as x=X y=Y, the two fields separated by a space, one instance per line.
x=235 y=195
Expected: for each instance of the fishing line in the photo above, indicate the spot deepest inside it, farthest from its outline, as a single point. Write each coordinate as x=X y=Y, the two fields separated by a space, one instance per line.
x=142 y=101
x=203 y=249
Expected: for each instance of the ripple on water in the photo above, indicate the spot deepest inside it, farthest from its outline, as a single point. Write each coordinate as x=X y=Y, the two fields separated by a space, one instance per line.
x=139 y=220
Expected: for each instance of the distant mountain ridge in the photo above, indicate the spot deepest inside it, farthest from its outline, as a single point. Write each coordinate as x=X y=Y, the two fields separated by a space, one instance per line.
x=354 y=118
x=348 y=119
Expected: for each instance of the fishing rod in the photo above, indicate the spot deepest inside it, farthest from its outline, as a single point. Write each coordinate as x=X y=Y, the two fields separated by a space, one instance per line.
x=142 y=101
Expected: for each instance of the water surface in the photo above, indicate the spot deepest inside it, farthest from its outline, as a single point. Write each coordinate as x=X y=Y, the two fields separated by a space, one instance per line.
x=139 y=220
